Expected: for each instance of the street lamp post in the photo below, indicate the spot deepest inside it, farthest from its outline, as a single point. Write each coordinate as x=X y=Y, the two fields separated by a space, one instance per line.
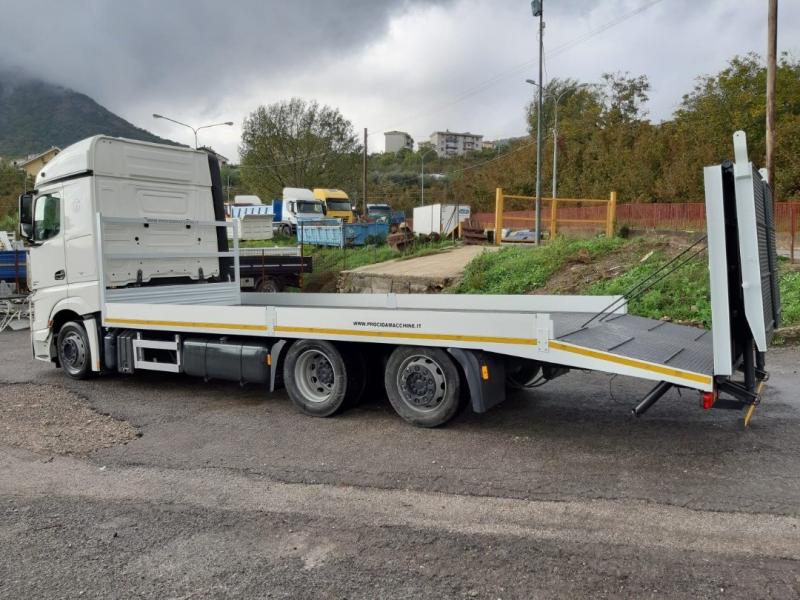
x=538 y=11
x=555 y=125
x=194 y=129
x=422 y=176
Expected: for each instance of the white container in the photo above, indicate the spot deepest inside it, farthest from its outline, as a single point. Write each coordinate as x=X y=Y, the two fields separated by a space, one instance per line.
x=439 y=218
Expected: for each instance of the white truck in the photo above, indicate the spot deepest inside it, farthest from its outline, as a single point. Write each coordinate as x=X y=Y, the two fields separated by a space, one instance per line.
x=128 y=270
x=297 y=204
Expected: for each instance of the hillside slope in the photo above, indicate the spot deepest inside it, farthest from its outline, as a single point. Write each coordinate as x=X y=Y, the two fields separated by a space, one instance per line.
x=35 y=115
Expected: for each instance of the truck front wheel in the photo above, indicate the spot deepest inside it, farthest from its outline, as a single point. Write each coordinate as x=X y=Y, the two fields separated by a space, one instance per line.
x=286 y=230
x=423 y=385
x=316 y=377
x=72 y=346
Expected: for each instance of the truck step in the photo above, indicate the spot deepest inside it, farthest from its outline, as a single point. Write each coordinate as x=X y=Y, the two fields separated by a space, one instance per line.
x=139 y=361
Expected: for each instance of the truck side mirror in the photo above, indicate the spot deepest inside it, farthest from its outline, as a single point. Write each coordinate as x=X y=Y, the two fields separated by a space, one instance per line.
x=25 y=207
x=324 y=209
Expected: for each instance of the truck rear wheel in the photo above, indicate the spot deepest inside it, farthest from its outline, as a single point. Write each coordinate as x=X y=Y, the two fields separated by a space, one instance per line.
x=423 y=385
x=268 y=285
x=316 y=377
x=74 y=355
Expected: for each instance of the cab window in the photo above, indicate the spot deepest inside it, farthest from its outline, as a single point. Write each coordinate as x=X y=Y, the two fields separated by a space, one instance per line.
x=46 y=217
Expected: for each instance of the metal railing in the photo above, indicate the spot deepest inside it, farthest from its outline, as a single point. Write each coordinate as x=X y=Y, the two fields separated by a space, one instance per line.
x=554 y=220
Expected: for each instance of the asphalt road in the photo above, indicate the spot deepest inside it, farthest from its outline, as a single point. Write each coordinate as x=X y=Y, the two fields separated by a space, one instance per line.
x=227 y=492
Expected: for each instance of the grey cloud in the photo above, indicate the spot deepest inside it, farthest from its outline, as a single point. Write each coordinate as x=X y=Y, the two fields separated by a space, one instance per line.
x=123 y=51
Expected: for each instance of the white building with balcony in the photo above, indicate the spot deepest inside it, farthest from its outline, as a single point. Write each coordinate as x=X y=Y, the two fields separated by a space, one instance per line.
x=449 y=143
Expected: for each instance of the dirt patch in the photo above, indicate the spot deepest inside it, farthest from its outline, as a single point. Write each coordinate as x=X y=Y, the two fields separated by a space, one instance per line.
x=584 y=271
x=51 y=419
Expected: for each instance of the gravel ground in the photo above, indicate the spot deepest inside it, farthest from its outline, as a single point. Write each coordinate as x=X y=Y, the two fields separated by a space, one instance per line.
x=229 y=492
x=50 y=419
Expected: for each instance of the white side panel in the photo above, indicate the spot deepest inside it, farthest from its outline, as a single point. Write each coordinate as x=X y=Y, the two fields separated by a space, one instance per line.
x=232 y=320
x=718 y=271
x=256 y=227
x=127 y=198
x=450 y=302
x=426 y=219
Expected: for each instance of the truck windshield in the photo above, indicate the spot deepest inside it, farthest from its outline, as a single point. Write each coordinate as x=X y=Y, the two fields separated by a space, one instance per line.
x=309 y=207
x=339 y=205
x=379 y=211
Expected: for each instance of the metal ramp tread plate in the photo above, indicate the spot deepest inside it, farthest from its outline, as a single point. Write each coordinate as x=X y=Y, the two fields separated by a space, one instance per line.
x=639 y=338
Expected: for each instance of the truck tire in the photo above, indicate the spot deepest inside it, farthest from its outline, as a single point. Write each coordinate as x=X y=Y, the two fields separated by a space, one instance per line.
x=72 y=347
x=423 y=385
x=316 y=377
x=286 y=230
x=268 y=285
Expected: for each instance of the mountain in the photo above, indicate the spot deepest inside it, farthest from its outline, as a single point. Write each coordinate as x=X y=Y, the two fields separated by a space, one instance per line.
x=35 y=115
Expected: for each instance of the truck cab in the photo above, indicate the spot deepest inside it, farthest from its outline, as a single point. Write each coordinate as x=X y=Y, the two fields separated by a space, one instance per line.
x=296 y=204
x=336 y=203
x=383 y=213
x=128 y=181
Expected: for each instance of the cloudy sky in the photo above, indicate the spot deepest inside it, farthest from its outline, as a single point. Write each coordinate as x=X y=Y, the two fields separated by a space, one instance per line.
x=413 y=65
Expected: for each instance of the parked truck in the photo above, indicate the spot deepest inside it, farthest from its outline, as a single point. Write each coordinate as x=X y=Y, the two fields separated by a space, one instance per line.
x=131 y=271
x=383 y=213
x=296 y=205
x=337 y=204
x=272 y=269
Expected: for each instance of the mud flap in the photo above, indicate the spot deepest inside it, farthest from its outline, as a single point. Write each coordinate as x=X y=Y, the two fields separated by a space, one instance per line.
x=485 y=373
x=274 y=362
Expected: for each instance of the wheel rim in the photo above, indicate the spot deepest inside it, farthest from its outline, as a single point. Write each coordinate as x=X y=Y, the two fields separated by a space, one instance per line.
x=73 y=352
x=421 y=383
x=314 y=376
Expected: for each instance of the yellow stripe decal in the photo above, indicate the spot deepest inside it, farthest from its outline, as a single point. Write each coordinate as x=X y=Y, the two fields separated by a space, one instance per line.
x=631 y=362
x=193 y=324
x=407 y=335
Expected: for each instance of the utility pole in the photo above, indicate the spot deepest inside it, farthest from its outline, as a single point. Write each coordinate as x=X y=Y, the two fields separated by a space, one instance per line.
x=422 y=176
x=537 y=8
x=772 y=51
x=364 y=174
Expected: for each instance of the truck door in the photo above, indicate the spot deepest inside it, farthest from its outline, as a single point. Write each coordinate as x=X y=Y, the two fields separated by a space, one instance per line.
x=47 y=260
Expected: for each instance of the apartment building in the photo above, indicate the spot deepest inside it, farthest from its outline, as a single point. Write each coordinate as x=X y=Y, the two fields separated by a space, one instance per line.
x=449 y=143
x=397 y=140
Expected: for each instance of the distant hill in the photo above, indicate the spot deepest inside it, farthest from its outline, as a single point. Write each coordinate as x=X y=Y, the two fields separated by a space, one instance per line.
x=35 y=115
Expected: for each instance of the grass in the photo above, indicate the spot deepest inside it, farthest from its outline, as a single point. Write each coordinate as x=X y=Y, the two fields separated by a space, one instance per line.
x=520 y=270
x=682 y=296
x=790 y=297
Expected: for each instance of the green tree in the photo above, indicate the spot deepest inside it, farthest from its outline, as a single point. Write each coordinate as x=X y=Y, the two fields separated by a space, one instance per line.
x=295 y=143
x=733 y=99
x=12 y=184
